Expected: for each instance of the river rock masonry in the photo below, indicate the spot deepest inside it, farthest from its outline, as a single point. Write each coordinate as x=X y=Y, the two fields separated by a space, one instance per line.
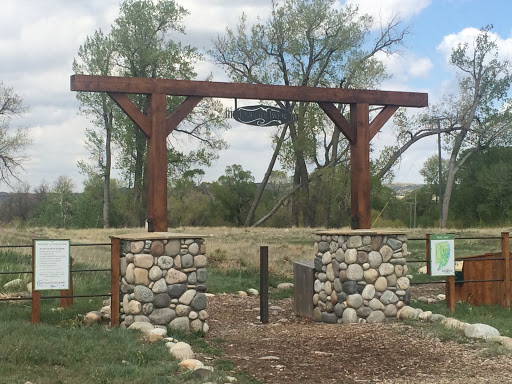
x=360 y=276
x=163 y=281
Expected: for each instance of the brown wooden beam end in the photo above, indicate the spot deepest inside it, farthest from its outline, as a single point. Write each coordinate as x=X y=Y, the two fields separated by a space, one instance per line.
x=181 y=112
x=132 y=111
x=360 y=168
x=381 y=119
x=348 y=130
x=138 y=85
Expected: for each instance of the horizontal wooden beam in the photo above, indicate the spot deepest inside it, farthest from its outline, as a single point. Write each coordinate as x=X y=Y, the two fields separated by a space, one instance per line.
x=138 y=85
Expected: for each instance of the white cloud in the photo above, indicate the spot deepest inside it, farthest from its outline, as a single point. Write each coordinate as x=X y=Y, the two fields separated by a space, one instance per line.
x=384 y=10
x=406 y=66
x=468 y=35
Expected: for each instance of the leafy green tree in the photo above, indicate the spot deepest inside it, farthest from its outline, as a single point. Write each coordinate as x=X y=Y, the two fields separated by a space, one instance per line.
x=188 y=204
x=19 y=204
x=97 y=57
x=233 y=192
x=307 y=43
x=478 y=117
x=483 y=109
x=142 y=43
x=12 y=141
x=56 y=209
x=430 y=173
x=88 y=209
x=483 y=193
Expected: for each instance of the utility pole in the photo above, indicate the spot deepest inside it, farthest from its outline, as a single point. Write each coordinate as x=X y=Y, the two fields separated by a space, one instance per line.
x=412 y=222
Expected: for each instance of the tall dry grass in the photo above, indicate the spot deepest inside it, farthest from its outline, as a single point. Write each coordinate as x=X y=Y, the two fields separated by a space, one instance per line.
x=227 y=248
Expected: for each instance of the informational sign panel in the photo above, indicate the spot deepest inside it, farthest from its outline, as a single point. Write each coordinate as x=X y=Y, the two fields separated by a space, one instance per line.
x=51 y=264
x=442 y=255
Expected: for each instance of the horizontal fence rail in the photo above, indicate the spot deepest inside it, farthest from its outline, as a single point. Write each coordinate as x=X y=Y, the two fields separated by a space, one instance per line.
x=61 y=296
x=455 y=288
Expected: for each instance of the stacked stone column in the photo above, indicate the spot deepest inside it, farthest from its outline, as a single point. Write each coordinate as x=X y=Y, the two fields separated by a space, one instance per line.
x=360 y=276
x=163 y=281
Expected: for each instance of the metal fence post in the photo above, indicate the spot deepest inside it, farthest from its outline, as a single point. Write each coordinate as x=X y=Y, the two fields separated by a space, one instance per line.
x=264 y=284
x=505 y=253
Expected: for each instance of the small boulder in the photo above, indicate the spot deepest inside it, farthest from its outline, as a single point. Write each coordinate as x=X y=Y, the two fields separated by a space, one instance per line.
x=481 y=331
x=181 y=351
x=142 y=326
x=16 y=283
x=190 y=364
x=450 y=322
x=93 y=317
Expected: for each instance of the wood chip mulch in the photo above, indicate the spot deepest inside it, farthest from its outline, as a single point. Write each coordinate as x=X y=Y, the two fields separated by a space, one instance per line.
x=292 y=350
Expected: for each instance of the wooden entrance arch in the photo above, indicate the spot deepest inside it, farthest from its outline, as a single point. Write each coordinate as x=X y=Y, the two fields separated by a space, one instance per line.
x=156 y=125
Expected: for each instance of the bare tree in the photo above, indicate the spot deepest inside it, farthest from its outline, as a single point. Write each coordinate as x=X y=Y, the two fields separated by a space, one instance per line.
x=13 y=141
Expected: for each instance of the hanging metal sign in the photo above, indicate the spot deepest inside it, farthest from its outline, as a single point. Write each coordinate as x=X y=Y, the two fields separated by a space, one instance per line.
x=262 y=115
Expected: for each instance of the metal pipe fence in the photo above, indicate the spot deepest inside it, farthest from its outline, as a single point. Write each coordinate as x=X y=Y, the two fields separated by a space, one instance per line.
x=17 y=246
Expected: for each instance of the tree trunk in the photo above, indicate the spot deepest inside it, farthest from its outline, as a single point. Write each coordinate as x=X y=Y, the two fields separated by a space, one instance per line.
x=295 y=211
x=450 y=181
x=447 y=195
x=307 y=211
x=261 y=188
x=138 y=175
x=330 y=176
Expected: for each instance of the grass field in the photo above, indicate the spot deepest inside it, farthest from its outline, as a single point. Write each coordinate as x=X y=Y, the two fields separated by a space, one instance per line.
x=61 y=350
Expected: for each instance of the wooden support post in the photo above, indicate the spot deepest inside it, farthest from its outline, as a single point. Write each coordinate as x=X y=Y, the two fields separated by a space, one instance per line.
x=505 y=253
x=36 y=295
x=427 y=247
x=157 y=164
x=114 y=281
x=264 y=284
x=450 y=293
x=68 y=301
x=360 y=167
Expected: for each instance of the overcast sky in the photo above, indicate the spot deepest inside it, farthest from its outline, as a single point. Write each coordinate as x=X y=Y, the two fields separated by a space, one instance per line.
x=39 y=39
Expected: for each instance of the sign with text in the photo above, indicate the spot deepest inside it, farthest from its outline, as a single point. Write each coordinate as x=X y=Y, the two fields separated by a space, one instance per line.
x=442 y=255
x=51 y=264
x=262 y=115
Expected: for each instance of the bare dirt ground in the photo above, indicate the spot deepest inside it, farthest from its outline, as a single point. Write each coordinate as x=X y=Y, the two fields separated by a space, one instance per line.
x=292 y=350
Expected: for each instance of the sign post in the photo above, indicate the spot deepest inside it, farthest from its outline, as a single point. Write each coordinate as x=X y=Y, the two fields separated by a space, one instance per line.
x=51 y=270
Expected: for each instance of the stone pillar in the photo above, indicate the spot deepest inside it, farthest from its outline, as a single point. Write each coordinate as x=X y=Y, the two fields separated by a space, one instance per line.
x=360 y=275
x=163 y=280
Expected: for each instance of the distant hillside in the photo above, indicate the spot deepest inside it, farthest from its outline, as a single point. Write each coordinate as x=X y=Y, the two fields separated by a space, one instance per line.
x=401 y=189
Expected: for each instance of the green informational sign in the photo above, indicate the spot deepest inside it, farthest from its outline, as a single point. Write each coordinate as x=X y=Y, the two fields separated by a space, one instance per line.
x=442 y=255
x=51 y=264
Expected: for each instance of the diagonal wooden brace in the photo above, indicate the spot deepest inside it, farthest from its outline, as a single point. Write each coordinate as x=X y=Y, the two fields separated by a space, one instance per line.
x=132 y=111
x=181 y=112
